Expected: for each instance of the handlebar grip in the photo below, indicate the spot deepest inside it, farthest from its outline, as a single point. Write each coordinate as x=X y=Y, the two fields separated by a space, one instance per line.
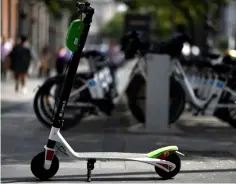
x=82 y=7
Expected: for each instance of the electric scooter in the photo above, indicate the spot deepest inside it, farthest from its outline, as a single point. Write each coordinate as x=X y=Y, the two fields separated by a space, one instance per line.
x=45 y=165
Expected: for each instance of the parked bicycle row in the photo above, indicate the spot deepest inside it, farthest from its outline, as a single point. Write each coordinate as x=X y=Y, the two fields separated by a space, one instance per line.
x=206 y=85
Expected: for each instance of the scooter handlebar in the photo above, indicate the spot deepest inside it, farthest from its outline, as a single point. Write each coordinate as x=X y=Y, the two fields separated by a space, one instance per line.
x=84 y=7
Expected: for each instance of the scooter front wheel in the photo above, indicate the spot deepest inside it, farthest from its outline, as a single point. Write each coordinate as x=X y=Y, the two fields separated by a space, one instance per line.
x=38 y=170
x=173 y=158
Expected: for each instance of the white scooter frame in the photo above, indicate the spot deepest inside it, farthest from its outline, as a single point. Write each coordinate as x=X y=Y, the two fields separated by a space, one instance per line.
x=55 y=135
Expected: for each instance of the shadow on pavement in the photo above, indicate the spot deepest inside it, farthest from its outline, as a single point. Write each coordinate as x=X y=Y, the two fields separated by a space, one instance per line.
x=83 y=179
x=205 y=126
x=25 y=158
x=98 y=136
x=95 y=176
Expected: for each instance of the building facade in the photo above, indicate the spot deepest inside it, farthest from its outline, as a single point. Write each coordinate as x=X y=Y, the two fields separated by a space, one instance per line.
x=230 y=20
x=227 y=25
x=32 y=18
x=9 y=20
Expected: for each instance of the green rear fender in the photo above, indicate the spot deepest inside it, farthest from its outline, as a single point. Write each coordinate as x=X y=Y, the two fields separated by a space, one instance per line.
x=160 y=151
x=74 y=33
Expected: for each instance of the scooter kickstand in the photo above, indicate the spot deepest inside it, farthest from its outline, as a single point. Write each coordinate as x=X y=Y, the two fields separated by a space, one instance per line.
x=90 y=167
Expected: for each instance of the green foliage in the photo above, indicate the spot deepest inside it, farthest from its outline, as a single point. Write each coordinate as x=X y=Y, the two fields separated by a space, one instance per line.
x=114 y=27
x=195 y=9
x=71 y=5
x=160 y=9
x=186 y=12
x=53 y=6
x=56 y=6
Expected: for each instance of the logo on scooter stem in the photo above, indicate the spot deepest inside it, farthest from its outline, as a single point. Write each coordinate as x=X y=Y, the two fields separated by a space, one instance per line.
x=62 y=108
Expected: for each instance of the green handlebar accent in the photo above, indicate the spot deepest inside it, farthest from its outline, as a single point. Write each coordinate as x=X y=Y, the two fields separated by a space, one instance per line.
x=160 y=151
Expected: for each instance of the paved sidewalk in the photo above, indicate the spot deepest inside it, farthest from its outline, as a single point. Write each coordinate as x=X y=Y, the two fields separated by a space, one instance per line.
x=210 y=155
x=9 y=98
x=196 y=170
x=110 y=134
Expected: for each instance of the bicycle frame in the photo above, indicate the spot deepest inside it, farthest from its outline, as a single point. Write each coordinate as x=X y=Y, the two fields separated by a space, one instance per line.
x=187 y=85
x=205 y=89
x=194 y=100
x=123 y=77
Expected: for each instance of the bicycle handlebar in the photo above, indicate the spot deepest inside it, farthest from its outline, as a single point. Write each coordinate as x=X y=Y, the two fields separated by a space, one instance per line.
x=131 y=44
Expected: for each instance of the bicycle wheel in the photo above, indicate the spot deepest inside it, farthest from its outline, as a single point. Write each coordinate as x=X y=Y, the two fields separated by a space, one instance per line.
x=44 y=107
x=137 y=99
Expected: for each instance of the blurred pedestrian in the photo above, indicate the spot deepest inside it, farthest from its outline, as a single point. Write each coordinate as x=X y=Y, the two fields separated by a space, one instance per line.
x=62 y=59
x=21 y=56
x=6 y=47
x=114 y=53
x=117 y=59
x=44 y=62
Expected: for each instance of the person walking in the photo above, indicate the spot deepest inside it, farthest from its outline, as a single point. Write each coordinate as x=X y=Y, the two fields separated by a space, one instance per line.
x=44 y=62
x=21 y=56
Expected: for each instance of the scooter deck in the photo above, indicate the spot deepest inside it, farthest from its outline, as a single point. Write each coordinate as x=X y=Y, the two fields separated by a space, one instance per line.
x=103 y=156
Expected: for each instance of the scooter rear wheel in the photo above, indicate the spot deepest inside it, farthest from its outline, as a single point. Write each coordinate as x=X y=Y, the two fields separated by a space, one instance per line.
x=38 y=170
x=173 y=158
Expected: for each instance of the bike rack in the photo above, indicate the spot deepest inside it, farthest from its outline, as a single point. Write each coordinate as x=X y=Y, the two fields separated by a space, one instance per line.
x=157 y=95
